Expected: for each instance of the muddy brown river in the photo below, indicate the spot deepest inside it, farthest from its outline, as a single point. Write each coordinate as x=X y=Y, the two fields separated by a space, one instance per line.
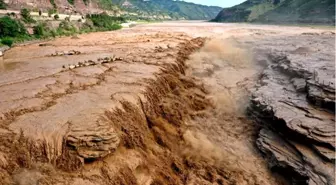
x=162 y=103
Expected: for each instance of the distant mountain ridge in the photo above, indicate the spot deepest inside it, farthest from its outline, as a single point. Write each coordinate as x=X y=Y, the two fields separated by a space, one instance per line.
x=280 y=11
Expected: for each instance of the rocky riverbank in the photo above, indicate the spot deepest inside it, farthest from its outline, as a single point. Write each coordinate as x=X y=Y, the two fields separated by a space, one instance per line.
x=294 y=101
x=3 y=49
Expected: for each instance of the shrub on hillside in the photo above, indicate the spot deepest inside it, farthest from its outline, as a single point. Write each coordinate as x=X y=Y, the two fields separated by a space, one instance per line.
x=11 y=28
x=7 y=41
x=53 y=33
x=51 y=11
x=106 y=22
x=2 y=5
x=87 y=26
x=66 y=28
x=25 y=13
x=71 y=2
x=26 y=17
x=41 y=30
x=66 y=25
x=53 y=3
x=56 y=17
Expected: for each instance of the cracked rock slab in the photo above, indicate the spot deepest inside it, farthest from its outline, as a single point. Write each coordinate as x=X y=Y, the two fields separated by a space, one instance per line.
x=295 y=159
x=95 y=141
x=61 y=110
x=295 y=103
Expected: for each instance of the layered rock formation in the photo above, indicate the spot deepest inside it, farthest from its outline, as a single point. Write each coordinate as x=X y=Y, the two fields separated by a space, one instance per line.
x=295 y=103
x=119 y=121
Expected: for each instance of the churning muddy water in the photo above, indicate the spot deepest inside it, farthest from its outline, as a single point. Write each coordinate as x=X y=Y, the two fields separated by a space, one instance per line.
x=170 y=103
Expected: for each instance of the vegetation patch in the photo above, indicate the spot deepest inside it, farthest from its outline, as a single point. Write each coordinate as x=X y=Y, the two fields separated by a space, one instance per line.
x=41 y=30
x=104 y=22
x=280 y=11
x=56 y=16
x=7 y=41
x=51 y=11
x=66 y=28
x=2 y=5
x=13 y=30
x=106 y=4
x=163 y=9
x=26 y=17
x=71 y=2
x=53 y=3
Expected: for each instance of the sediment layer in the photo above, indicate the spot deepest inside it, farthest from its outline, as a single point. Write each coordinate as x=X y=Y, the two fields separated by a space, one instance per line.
x=294 y=106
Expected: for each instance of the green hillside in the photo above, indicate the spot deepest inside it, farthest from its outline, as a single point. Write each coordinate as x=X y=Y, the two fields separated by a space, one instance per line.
x=174 y=9
x=280 y=11
x=303 y=11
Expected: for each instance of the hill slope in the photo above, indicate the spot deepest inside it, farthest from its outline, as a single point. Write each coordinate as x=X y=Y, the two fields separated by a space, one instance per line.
x=156 y=9
x=280 y=11
x=174 y=9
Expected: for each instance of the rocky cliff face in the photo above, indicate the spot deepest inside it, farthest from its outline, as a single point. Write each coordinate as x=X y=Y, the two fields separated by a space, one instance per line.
x=295 y=103
x=63 y=6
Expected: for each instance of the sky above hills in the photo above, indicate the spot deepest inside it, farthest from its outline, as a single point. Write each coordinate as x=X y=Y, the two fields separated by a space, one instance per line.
x=221 y=3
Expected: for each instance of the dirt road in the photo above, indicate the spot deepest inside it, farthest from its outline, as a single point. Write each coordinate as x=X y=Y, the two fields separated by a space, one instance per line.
x=161 y=103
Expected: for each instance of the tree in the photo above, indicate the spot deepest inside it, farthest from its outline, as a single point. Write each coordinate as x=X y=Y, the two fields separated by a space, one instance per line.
x=11 y=28
x=25 y=13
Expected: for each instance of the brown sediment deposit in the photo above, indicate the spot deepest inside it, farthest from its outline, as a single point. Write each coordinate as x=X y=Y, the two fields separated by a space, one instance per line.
x=187 y=103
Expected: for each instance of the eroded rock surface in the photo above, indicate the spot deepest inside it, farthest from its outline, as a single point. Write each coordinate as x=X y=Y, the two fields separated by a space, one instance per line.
x=294 y=100
x=57 y=107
